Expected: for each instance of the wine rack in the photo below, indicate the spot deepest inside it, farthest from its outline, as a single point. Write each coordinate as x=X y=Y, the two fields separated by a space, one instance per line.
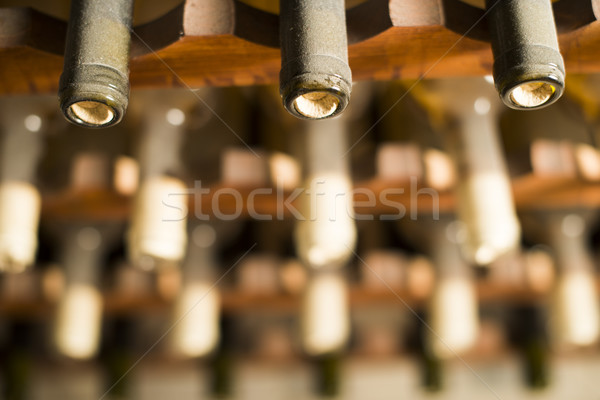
x=201 y=77
x=225 y=43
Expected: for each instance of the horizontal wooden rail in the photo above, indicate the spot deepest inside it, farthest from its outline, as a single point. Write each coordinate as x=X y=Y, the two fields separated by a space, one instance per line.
x=236 y=302
x=374 y=198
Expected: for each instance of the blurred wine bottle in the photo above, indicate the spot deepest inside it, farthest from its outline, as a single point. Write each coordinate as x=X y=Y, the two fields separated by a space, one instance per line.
x=117 y=358
x=466 y=111
x=79 y=314
x=17 y=360
x=327 y=369
x=197 y=307
x=24 y=122
x=526 y=329
x=157 y=235
x=222 y=364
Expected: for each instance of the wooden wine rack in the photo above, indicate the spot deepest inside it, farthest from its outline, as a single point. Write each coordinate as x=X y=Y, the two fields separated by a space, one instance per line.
x=229 y=43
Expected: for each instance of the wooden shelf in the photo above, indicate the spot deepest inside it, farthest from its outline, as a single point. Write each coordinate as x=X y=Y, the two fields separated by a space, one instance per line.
x=236 y=302
x=228 y=43
x=530 y=193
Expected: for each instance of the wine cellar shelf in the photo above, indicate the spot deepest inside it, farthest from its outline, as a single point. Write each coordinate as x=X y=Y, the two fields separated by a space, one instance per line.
x=531 y=193
x=234 y=302
x=228 y=43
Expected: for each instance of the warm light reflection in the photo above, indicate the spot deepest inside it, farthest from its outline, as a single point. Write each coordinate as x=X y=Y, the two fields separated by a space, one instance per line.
x=532 y=94
x=293 y=276
x=316 y=105
x=20 y=204
x=92 y=113
x=175 y=117
x=439 y=169
x=285 y=171
x=158 y=227
x=588 y=161
x=420 y=277
x=325 y=314
x=196 y=329
x=78 y=321
x=168 y=282
x=126 y=177
x=482 y=105
x=33 y=123
x=539 y=270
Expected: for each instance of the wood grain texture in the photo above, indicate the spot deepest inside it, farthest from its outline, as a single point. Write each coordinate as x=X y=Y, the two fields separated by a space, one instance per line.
x=228 y=43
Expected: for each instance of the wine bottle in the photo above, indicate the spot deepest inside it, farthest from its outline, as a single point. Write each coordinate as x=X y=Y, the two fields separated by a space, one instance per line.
x=325 y=233
x=157 y=235
x=529 y=71
x=315 y=80
x=94 y=85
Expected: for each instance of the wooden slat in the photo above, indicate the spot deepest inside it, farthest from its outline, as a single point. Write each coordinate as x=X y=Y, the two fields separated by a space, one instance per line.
x=398 y=199
x=235 y=302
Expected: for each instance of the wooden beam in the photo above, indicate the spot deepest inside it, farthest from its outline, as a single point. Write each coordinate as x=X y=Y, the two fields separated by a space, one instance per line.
x=372 y=198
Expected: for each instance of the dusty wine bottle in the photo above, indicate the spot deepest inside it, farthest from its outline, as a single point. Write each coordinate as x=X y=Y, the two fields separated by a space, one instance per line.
x=94 y=85
x=22 y=144
x=315 y=79
x=576 y=310
x=157 y=235
x=529 y=71
x=78 y=322
x=453 y=308
x=326 y=236
x=198 y=305
x=325 y=314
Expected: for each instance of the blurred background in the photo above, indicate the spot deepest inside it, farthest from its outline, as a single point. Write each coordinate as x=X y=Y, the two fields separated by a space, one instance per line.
x=429 y=243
